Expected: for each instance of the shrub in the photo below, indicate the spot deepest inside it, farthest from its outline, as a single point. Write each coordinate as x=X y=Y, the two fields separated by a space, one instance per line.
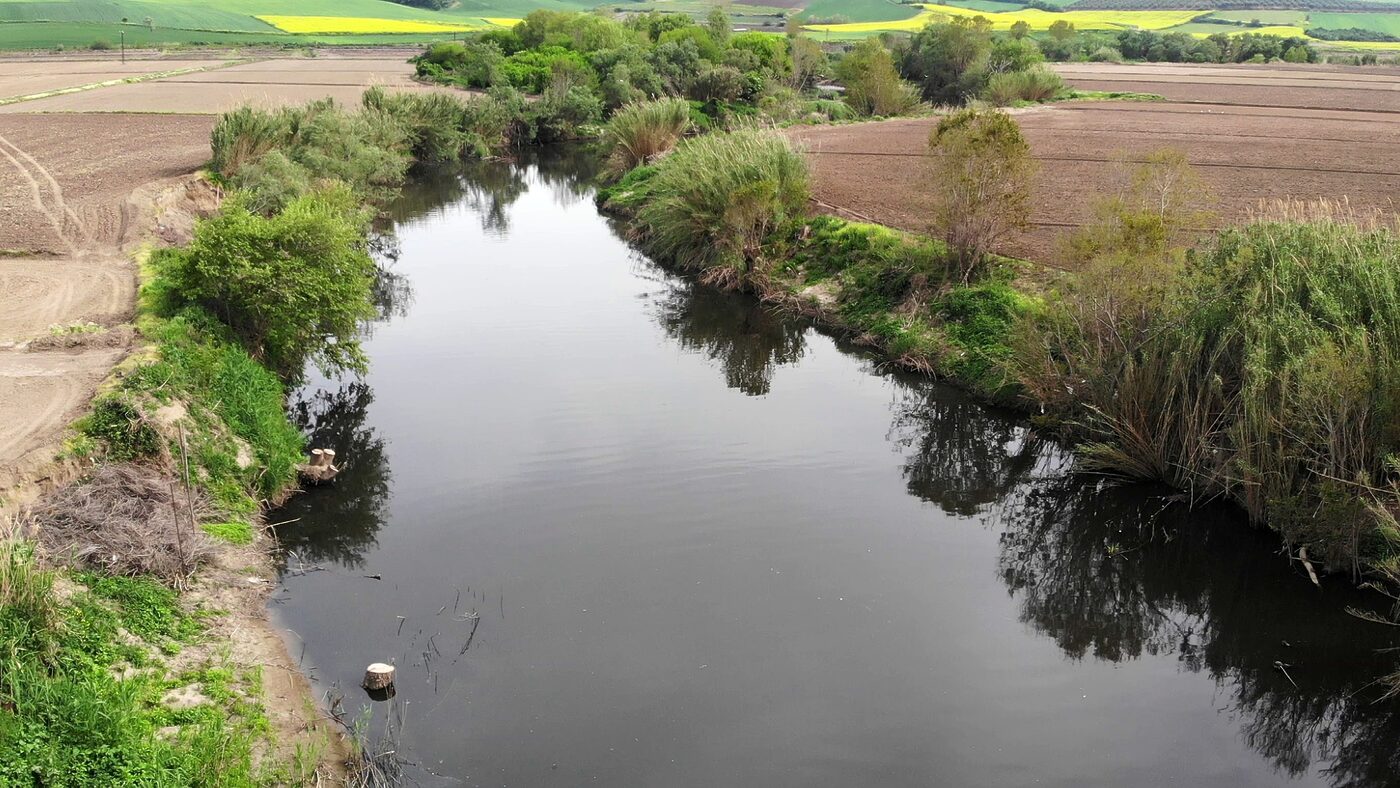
x=873 y=86
x=717 y=83
x=982 y=173
x=639 y=133
x=1263 y=368
x=1014 y=86
x=949 y=60
x=532 y=70
x=244 y=135
x=717 y=197
x=293 y=286
x=122 y=429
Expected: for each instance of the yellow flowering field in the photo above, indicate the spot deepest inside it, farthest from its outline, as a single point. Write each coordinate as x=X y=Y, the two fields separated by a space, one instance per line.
x=1037 y=19
x=359 y=24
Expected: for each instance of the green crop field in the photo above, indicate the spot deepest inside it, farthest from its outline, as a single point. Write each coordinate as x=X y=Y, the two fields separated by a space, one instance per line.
x=1381 y=23
x=859 y=10
x=42 y=24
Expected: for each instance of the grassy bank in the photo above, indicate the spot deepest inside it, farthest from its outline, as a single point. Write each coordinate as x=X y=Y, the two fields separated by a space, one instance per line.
x=1254 y=365
x=118 y=666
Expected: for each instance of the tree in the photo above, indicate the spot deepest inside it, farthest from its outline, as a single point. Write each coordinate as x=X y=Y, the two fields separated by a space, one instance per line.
x=982 y=173
x=1019 y=29
x=949 y=60
x=292 y=287
x=717 y=22
x=873 y=86
x=809 y=62
x=1060 y=30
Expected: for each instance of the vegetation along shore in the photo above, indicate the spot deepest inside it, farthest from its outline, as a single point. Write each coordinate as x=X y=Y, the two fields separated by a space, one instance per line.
x=1256 y=363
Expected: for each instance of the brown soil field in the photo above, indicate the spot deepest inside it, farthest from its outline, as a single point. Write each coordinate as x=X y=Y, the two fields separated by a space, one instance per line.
x=875 y=171
x=29 y=78
x=43 y=292
x=268 y=83
x=1301 y=87
x=79 y=170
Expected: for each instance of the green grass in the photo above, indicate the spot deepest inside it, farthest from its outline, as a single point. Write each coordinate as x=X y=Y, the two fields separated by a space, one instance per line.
x=1380 y=23
x=81 y=683
x=859 y=10
x=1268 y=17
x=234 y=532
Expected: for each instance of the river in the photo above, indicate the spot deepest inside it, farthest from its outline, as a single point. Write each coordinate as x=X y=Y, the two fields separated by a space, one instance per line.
x=615 y=528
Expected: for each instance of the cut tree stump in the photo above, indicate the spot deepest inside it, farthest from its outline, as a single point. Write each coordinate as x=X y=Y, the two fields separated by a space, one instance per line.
x=378 y=676
x=320 y=469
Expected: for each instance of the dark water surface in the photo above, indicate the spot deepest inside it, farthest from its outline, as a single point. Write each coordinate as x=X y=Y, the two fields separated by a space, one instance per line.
x=706 y=545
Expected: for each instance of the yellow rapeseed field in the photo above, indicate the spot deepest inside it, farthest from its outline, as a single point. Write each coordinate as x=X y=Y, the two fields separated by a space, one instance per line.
x=359 y=24
x=502 y=21
x=1037 y=19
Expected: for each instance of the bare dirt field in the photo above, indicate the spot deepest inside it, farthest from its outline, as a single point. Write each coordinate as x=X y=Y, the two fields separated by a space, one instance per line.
x=1245 y=154
x=267 y=83
x=1307 y=87
x=79 y=169
x=29 y=78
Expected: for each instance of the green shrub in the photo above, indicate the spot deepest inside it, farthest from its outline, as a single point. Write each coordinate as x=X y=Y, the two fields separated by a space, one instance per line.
x=873 y=86
x=122 y=429
x=532 y=70
x=640 y=132
x=293 y=286
x=1035 y=85
x=982 y=172
x=244 y=135
x=717 y=197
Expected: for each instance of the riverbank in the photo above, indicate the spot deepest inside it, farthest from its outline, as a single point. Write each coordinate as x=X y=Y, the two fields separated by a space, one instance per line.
x=138 y=573
x=1126 y=360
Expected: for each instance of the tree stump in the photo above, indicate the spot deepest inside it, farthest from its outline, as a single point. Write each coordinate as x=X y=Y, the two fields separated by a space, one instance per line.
x=320 y=469
x=378 y=676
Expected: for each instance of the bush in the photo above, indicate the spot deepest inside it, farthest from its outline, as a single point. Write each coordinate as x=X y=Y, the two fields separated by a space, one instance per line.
x=244 y=135
x=638 y=133
x=982 y=173
x=123 y=430
x=532 y=70
x=949 y=60
x=717 y=197
x=718 y=83
x=873 y=86
x=1266 y=368
x=1035 y=85
x=293 y=287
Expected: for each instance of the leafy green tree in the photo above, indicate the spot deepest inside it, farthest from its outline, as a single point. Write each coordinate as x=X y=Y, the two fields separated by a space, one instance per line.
x=1061 y=30
x=292 y=287
x=1020 y=29
x=949 y=60
x=873 y=86
x=982 y=172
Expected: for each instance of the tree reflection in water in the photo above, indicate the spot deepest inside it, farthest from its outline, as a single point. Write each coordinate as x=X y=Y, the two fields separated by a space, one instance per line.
x=344 y=520
x=745 y=339
x=1117 y=573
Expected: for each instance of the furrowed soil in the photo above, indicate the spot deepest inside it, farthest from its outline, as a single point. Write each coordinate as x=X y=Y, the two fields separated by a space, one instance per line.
x=1245 y=154
x=267 y=83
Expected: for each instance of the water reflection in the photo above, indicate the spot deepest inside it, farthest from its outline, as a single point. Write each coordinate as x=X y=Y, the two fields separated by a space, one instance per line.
x=1118 y=573
x=345 y=520
x=958 y=453
x=1110 y=574
x=746 y=340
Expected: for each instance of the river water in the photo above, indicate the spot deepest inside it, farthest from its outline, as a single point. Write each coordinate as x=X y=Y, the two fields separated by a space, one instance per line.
x=618 y=529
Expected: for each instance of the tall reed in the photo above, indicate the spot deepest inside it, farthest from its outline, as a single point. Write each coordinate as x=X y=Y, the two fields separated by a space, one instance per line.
x=641 y=131
x=717 y=197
